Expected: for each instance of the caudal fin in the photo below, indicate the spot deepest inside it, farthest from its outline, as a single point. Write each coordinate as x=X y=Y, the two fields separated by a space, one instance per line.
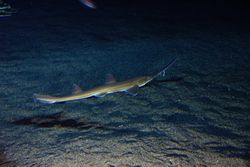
x=43 y=99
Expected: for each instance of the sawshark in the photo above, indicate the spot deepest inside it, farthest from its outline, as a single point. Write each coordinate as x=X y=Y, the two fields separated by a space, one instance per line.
x=112 y=86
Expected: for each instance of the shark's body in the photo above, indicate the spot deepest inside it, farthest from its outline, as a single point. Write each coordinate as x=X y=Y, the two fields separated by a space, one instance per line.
x=129 y=86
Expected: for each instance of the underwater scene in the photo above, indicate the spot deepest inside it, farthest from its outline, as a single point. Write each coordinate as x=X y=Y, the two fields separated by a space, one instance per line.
x=111 y=83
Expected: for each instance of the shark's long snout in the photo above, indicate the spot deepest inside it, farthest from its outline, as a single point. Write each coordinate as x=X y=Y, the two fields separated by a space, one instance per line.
x=163 y=72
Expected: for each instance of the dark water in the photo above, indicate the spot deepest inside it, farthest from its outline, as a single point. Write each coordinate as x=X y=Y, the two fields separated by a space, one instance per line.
x=198 y=115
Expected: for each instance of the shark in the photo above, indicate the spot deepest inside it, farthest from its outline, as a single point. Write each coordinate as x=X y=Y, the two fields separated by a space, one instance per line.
x=130 y=86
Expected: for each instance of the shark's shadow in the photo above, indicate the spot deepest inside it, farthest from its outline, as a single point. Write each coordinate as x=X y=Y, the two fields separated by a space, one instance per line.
x=57 y=120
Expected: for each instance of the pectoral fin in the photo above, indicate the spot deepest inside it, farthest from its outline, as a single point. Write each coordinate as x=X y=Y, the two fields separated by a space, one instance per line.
x=133 y=91
x=100 y=95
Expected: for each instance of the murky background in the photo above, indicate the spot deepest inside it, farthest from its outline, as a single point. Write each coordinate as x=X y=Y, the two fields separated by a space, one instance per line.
x=198 y=115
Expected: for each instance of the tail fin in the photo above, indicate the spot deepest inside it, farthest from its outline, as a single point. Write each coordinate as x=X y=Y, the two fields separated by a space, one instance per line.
x=43 y=99
x=163 y=72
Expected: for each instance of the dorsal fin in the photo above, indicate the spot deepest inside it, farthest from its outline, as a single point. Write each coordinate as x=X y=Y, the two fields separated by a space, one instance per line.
x=110 y=79
x=76 y=89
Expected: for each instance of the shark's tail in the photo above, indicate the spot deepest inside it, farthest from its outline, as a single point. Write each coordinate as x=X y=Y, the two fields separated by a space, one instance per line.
x=163 y=72
x=43 y=99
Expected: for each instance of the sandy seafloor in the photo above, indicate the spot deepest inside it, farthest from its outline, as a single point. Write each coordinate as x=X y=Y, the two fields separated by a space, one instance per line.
x=197 y=116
